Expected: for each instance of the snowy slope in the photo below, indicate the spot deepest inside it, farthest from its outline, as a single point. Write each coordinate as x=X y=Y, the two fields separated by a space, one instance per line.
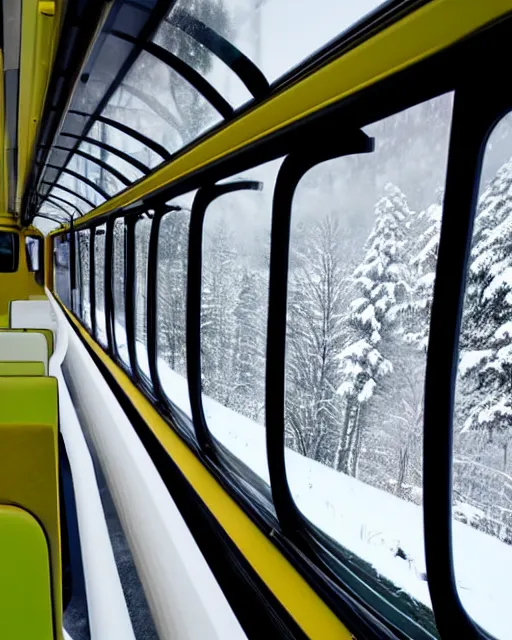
x=368 y=521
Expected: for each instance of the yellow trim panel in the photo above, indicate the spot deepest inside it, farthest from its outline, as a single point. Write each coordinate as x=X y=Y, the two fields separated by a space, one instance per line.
x=429 y=29
x=40 y=27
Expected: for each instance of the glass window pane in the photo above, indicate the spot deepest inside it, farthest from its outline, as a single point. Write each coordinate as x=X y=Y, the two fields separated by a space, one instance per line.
x=259 y=28
x=142 y=231
x=482 y=468
x=118 y=287
x=100 y=176
x=99 y=283
x=80 y=187
x=83 y=269
x=130 y=172
x=171 y=301
x=234 y=300
x=362 y=262
x=61 y=275
x=162 y=105
x=8 y=252
x=120 y=140
x=212 y=68
x=72 y=199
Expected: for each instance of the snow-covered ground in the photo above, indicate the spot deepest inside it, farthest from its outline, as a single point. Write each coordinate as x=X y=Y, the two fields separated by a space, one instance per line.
x=369 y=522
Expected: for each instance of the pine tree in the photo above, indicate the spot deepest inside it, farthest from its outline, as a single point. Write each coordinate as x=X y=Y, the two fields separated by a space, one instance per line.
x=383 y=282
x=487 y=328
x=416 y=310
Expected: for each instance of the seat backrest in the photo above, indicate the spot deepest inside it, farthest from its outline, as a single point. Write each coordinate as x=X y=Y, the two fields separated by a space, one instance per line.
x=25 y=584
x=48 y=333
x=21 y=368
x=29 y=470
x=20 y=346
x=31 y=314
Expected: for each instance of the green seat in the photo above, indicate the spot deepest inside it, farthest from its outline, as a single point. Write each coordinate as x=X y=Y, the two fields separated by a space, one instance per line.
x=21 y=368
x=48 y=334
x=25 y=591
x=29 y=471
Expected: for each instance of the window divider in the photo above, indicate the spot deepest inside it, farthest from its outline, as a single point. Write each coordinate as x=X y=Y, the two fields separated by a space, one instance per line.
x=474 y=116
x=92 y=281
x=151 y=309
x=129 y=306
x=320 y=147
x=107 y=287
x=204 y=197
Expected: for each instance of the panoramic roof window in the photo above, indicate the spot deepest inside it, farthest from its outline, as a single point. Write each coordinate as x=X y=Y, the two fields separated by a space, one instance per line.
x=181 y=35
x=8 y=252
x=260 y=29
x=123 y=110
x=162 y=105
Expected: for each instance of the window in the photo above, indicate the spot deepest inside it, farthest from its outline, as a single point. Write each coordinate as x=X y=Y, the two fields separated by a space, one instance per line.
x=171 y=301
x=34 y=256
x=61 y=266
x=259 y=29
x=363 y=251
x=118 y=290
x=84 y=275
x=142 y=231
x=32 y=250
x=8 y=252
x=99 y=283
x=482 y=450
x=128 y=170
x=234 y=301
x=162 y=104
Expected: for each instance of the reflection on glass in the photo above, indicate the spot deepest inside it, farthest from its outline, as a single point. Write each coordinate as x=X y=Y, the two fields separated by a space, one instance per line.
x=234 y=300
x=99 y=283
x=118 y=290
x=482 y=466
x=171 y=301
x=162 y=105
x=259 y=28
x=362 y=262
x=142 y=231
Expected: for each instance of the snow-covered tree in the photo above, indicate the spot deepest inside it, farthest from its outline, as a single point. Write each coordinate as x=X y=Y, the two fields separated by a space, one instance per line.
x=249 y=347
x=383 y=283
x=219 y=290
x=317 y=299
x=487 y=327
x=171 y=289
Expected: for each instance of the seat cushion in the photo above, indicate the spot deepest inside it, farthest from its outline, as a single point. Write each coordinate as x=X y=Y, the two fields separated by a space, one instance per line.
x=19 y=346
x=25 y=586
